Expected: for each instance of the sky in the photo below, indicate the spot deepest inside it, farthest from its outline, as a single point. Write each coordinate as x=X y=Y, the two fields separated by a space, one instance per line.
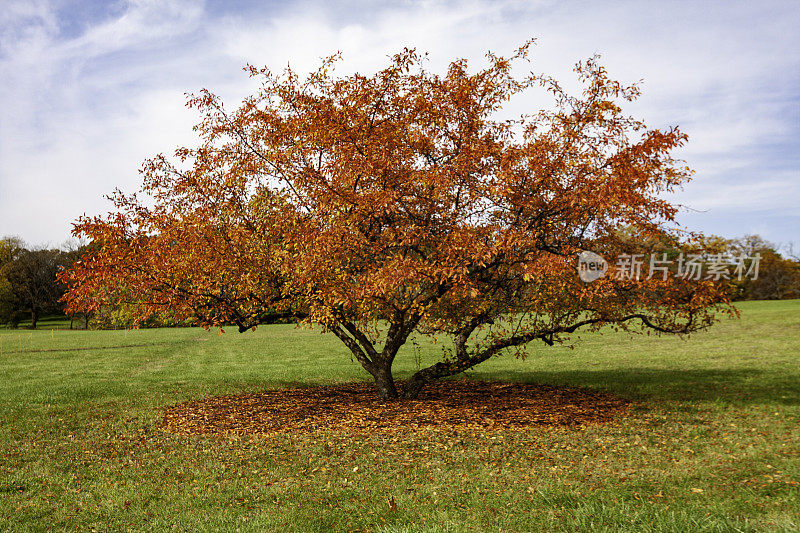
x=90 y=89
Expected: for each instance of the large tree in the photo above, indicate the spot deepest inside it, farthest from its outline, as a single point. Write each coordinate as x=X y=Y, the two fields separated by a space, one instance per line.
x=380 y=206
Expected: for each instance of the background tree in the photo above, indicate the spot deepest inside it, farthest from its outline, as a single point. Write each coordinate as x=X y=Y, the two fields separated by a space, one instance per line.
x=397 y=203
x=10 y=307
x=29 y=286
x=778 y=277
x=29 y=282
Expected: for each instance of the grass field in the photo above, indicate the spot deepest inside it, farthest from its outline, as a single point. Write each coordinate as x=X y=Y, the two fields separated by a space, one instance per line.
x=711 y=444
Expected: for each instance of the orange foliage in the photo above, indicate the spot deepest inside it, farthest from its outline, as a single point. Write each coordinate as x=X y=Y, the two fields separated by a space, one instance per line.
x=383 y=205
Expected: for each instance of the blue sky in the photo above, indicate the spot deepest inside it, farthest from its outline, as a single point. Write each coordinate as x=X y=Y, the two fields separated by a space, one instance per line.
x=90 y=89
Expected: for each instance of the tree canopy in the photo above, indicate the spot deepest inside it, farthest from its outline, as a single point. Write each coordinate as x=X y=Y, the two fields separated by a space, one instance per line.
x=399 y=203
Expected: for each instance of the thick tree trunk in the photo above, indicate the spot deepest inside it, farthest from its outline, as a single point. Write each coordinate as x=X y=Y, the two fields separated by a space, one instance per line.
x=34 y=318
x=441 y=370
x=413 y=388
x=384 y=382
x=418 y=381
x=378 y=364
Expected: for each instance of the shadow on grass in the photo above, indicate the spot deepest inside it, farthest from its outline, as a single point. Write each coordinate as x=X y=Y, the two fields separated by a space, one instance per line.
x=748 y=386
x=743 y=386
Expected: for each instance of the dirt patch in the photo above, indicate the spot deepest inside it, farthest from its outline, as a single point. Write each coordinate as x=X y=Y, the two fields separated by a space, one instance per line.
x=462 y=404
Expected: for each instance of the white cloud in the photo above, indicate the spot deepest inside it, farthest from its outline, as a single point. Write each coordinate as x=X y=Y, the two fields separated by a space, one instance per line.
x=87 y=109
x=777 y=191
x=143 y=22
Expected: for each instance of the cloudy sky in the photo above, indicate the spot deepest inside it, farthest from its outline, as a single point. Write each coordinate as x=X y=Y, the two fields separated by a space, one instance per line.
x=91 y=88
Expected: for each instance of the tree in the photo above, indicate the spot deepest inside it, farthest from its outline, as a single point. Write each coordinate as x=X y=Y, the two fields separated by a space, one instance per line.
x=28 y=281
x=383 y=205
x=778 y=277
x=10 y=249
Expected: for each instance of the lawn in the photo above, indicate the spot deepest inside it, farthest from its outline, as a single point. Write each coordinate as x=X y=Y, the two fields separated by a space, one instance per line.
x=712 y=442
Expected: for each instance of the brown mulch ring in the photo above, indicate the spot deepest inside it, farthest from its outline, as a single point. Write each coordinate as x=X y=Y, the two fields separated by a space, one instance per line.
x=459 y=404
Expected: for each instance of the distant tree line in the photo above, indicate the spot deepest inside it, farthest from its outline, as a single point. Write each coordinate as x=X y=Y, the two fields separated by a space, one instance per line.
x=29 y=288
x=778 y=275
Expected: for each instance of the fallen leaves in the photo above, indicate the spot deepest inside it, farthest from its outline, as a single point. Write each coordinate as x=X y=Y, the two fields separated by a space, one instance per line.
x=461 y=404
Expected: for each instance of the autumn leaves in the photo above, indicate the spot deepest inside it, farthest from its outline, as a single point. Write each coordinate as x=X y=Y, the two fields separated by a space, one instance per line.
x=382 y=205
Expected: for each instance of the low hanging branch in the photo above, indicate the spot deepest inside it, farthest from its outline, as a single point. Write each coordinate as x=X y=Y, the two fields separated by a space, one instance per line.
x=398 y=203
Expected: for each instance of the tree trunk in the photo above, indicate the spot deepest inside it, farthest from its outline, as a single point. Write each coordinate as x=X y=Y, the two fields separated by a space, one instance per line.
x=441 y=370
x=413 y=388
x=418 y=381
x=378 y=364
x=437 y=371
x=384 y=382
x=34 y=318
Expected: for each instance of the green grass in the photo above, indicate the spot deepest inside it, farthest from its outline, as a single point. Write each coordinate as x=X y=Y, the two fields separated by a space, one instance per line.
x=711 y=443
